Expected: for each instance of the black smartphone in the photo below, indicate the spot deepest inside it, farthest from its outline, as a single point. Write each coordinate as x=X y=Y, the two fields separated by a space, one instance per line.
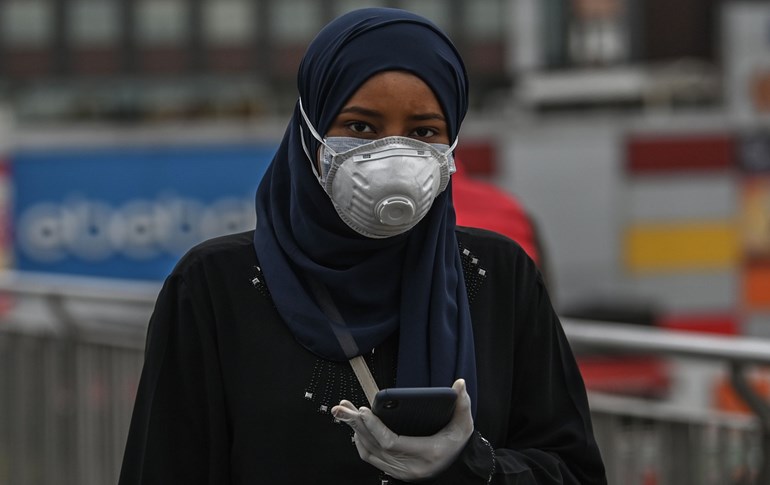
x=415 y=411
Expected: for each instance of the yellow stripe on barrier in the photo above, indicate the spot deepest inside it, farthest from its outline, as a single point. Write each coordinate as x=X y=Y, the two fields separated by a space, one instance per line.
x=672 y=247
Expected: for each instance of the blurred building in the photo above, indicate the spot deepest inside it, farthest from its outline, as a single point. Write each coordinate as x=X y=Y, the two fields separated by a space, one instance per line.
x=138 y=59
x=127 y=59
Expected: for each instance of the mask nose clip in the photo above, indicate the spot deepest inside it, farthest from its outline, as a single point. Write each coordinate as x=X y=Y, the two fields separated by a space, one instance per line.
x=395 y=210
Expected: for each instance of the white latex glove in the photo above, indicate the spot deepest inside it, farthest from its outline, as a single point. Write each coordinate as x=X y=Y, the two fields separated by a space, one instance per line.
x=409 y=458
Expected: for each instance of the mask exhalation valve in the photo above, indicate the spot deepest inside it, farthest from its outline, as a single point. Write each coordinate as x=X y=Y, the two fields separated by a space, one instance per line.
x=395 y=210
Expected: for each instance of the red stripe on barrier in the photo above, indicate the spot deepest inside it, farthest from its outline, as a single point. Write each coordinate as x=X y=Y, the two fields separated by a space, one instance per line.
x=684 y=153
x=631 y=375
x=716 y=323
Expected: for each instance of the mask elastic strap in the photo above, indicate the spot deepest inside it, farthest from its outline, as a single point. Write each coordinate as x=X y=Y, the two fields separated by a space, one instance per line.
x=307 y=154
x=450 y=158
x=315 y=135
x=308 y=123
x=452 y=148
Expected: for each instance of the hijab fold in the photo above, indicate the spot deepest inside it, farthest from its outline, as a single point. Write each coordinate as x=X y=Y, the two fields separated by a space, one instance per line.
x=411 y=283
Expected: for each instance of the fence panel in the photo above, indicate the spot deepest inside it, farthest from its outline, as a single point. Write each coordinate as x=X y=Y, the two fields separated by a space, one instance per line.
x=646 y=443
x=65 y=407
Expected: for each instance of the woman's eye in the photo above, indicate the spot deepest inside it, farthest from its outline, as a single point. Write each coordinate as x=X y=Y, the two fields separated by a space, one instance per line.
x=359 y=127
x=424 y=132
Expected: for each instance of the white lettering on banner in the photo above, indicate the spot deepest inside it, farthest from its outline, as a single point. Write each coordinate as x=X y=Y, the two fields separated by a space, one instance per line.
x=40 y=233
x=85 y=226
x=140 y=229
x=135 y=231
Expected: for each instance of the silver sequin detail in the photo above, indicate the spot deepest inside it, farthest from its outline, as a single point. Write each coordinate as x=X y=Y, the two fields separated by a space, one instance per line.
x=473 y=272
x=258 y=282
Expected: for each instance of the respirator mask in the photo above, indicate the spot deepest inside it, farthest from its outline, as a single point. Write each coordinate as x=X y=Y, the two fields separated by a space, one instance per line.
x=381 y=188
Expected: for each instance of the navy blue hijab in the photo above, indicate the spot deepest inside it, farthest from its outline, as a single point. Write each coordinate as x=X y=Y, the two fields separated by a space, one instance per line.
x=327 y=281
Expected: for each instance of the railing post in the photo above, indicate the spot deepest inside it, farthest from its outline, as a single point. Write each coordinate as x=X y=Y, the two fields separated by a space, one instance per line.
x=68 y=343
x=761 y=409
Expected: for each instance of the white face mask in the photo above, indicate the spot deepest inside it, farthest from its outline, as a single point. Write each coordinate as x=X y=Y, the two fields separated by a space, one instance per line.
x=381 y=188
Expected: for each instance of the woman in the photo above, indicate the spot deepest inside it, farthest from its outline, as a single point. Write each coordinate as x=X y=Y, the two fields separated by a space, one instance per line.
x=246 y=379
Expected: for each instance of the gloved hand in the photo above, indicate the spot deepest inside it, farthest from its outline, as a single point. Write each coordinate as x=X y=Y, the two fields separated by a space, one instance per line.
x=409 y=458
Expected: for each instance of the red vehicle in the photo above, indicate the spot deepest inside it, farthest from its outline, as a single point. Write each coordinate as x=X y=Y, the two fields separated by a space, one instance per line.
x=481 y=204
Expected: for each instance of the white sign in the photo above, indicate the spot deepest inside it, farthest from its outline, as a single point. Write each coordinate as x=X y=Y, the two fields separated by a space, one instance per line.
x=746 y=58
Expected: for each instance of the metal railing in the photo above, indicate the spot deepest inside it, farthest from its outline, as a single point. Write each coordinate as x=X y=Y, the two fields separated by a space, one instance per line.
x=71 y=352
x=692 y=446
x=646 y=442
x=71 y=355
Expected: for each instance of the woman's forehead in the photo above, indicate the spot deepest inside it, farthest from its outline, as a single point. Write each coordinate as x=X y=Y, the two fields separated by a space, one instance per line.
x=395 y=87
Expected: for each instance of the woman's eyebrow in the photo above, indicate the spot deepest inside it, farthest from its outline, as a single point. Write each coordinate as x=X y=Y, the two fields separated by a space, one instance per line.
x=428 y=117
x=361 y=111
x=376 y=114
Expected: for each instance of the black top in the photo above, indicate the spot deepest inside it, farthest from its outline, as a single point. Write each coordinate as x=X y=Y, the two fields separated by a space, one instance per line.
x=227 y=396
